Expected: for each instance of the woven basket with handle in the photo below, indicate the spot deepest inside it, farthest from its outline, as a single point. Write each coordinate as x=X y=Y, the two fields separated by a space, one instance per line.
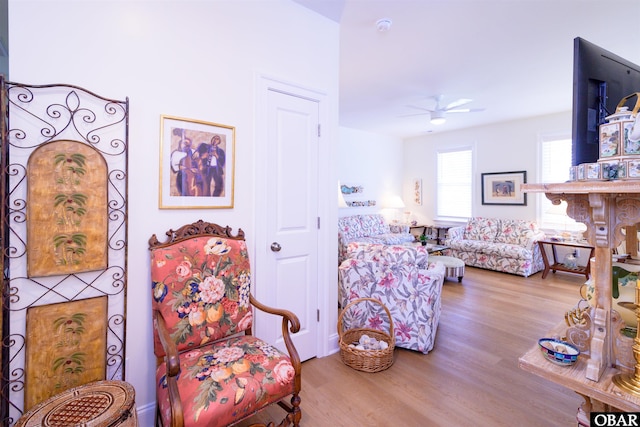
x=365 y=360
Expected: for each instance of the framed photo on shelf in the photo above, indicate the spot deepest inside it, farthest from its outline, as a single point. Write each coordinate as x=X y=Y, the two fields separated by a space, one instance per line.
x=504 y=188
x=196 y=164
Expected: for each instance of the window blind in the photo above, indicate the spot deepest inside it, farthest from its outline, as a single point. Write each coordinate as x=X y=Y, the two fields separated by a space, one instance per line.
x=455 y=173
x=555 y=164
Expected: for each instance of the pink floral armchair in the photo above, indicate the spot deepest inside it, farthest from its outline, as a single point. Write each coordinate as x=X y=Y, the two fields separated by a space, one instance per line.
x=210 y=370
x=401 y=278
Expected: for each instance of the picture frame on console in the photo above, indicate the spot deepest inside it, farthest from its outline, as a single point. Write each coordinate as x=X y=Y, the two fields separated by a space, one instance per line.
x=503 y=188
x=196 y=164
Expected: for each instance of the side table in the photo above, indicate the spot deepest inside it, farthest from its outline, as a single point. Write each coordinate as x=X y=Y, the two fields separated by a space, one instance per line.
x=438 y=232
x=96 y=404
x=558 y=265
x=422 y=232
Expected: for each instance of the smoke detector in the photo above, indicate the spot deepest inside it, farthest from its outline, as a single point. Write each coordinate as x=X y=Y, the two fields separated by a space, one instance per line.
x=383 y=24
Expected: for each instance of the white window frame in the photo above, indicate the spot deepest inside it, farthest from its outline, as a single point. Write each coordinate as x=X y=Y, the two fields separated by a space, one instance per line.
x=553 y=218
x=449 y=216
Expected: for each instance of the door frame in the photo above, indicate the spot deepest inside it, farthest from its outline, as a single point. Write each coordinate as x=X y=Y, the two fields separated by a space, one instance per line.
x=327 y=205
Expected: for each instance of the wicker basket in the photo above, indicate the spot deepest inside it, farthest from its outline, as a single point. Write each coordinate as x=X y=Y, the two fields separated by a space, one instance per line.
x=366 y=360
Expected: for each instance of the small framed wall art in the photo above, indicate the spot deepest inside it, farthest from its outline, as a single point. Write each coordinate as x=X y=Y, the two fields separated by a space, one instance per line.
x=196 y=164
x=417 y=191
x=504 y=188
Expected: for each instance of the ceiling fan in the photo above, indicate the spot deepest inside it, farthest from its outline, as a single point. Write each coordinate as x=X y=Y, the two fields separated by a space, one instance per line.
x=439 y=112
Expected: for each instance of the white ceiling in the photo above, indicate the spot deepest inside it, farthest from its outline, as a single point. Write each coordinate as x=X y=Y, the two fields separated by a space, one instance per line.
x=514 y=58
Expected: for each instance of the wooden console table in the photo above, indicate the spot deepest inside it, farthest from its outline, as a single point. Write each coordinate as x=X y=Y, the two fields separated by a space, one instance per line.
x=606 y=208
x=596 y=394
x=558 y=265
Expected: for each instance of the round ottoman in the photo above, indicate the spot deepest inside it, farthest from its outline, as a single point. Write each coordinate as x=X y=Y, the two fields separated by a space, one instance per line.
x=453 y=266
x=97 y=404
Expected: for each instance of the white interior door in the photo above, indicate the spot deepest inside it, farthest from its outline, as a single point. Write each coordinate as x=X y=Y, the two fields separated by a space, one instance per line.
x=291 y=213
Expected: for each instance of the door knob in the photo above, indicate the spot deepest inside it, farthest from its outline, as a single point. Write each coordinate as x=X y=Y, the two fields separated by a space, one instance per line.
x=275 y=247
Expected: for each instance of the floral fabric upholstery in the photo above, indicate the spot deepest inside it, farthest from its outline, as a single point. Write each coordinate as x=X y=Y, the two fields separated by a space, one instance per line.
x=201 y=288
x=483 y=229
x=517 y=232
x=508 y=245
x=389 y=253
x=370 y=228
x=401 y=278
x=239 y=373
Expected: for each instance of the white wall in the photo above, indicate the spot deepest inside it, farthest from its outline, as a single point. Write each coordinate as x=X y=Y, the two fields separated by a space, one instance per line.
x=502 y=147
x=372 y=161
x=196 y=60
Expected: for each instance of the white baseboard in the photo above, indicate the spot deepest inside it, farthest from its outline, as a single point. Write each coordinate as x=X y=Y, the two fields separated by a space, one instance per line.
x=146 y=414
x=333 y=344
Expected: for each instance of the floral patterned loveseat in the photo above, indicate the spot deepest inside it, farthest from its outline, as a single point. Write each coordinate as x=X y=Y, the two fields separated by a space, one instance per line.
x=402 y=279
x=369 y=228
x=506 y=245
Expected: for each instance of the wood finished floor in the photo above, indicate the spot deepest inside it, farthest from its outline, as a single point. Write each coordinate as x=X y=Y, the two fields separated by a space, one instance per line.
x=470 y=378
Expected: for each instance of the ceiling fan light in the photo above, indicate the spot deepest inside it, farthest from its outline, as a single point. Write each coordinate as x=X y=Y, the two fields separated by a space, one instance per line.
x=437 y=118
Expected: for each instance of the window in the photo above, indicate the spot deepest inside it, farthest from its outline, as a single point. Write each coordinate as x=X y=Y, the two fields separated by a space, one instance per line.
x=454 y=184
x=555 y=162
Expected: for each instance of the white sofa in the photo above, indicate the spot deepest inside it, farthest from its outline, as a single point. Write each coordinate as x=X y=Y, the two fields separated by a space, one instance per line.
x=506 y=245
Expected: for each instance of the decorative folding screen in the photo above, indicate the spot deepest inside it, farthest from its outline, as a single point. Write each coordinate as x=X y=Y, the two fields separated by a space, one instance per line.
x=64 y=234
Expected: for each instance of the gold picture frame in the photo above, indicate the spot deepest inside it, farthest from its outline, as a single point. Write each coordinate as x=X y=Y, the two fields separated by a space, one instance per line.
x=196 y=164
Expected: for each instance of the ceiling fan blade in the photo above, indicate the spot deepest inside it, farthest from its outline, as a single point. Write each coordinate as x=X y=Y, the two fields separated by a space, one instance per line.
x=415 y=107
x=415 y=114
x=458 y=103
x=465 y=110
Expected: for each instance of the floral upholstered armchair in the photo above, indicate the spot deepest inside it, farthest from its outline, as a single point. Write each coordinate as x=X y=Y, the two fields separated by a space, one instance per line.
x=211 y=371
x=402 y=279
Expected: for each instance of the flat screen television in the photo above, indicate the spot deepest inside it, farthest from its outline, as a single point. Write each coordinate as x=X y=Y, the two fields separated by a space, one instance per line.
x=600 y=80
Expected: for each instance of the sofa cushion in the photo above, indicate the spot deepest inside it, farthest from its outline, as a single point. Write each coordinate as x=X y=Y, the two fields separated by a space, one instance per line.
x=384 y=239
x=396 y=238
x=399 y=228
x=373 y=225
x=483 y=229
x=393 y=254
x=506 y=250
x=356 y=226
x=502 y=249
x=515 y=231
x=350 y=227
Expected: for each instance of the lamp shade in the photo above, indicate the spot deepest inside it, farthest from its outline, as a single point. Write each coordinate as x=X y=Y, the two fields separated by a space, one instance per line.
x=394 y=202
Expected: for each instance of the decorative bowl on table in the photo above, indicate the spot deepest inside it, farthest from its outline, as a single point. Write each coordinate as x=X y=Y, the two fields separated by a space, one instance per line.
x=559 y=352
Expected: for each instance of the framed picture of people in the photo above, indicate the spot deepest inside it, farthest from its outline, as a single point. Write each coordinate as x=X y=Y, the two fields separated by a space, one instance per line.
x=196 y=164
x=503 y=188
